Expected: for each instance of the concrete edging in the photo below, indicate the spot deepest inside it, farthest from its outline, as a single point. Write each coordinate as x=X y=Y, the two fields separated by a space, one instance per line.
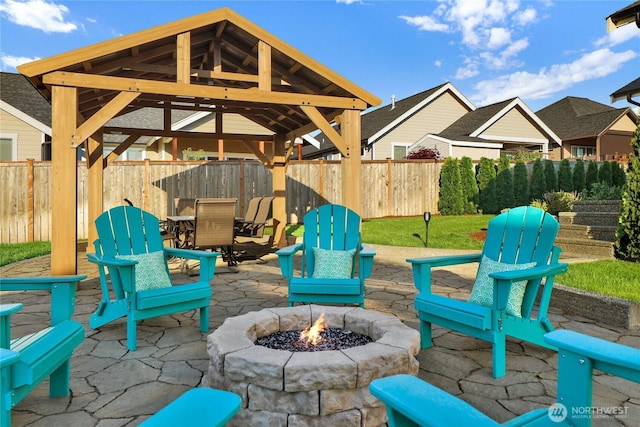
x=609 y=310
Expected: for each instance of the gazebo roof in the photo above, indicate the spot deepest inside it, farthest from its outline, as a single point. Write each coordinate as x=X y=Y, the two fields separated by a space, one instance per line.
x=215 y=62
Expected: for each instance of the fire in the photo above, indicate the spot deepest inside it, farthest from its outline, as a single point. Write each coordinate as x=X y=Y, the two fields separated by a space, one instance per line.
x=312 y=335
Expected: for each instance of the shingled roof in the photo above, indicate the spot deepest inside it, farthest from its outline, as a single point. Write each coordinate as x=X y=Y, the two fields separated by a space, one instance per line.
x=470 y=122
x=573 y=117
x=21 y=95
x=627 y=91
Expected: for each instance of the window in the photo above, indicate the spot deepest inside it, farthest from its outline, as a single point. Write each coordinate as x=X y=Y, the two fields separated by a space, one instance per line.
x=8 y=148
x=399 y=151
x=581 y=151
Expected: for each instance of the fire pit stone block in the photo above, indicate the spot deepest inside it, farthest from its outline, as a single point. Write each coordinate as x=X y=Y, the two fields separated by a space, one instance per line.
x=320 y=370
x=257 y=365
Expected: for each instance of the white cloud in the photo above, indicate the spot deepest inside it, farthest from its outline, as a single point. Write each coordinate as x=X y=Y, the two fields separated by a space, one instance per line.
x=526 y=17
x=469 y=70
x=40 y=14
x=437 y=63
x=425 y=23
x=617 y=36
x=9 y=63
x=348 y=1
x=556 y=78
x=498 y=37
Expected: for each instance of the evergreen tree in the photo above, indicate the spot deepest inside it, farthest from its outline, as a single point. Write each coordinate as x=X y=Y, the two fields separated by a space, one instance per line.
x=537 y=185
x=451 y=198
x=469 y=185
x=578 y=176
x=627 y=245
x=618 y=175
x=550 y=176
x=504 y=185
x=604 y=174
x=520 y=184
x=592 y=174
x=487 y=186
x=565 y=181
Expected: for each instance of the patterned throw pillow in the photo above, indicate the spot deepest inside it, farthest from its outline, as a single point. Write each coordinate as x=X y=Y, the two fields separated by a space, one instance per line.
x=332 y=264
x=151 y=272
x=482 y=292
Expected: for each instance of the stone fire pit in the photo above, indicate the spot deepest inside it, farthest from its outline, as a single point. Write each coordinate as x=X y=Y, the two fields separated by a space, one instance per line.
x=323 y=388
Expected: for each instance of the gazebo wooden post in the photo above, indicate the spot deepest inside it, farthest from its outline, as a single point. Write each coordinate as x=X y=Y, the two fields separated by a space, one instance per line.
x=351 y=163
x=64 y=212
x=279 y=181
x=95 y=165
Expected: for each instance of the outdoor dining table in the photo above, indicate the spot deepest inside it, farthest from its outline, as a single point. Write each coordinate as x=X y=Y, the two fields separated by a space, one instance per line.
x=182 y=227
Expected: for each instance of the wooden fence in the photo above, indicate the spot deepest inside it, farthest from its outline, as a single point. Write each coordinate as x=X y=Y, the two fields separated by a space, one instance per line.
x=389 y=188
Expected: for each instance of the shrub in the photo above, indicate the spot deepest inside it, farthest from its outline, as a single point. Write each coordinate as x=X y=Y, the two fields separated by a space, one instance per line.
x=578 y=175
x=486 y=178
x=618 y=175
x=539 y=204
x=550 y=176
x=602 y=191
x=627 y=244
x=469 y=185
x=537 y=185
x=560 y=201
x=591 y=176
x=520 y=184
x=521 y=154
x=451 y=198
x=425 y=153
x=564 y=176
x=504 y=184
x=604 y=173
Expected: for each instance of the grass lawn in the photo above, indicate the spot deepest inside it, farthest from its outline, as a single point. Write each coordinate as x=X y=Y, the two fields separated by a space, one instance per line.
x=608 y=277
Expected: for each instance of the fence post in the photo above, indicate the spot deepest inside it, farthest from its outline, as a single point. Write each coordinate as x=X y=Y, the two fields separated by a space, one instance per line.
x=389 y=187
x=145 y=194
x=30 y=207
x=241 y=195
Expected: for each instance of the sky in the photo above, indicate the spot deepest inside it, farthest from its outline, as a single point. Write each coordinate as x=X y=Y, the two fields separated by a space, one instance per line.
x=490 y=50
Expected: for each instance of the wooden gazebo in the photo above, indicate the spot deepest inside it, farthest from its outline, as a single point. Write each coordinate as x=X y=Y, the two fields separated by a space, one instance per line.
x=216 y=62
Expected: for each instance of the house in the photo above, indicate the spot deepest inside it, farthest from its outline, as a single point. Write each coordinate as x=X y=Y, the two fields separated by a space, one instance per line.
x=491 y=130
x=589 y=129
x=25 y=120
x=444 y=118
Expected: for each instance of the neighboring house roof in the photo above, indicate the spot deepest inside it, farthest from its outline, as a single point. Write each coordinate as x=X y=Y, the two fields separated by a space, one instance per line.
x=377 y=123
x=627 y=91
x=573 y=117
x=20 y=98
x=470 y=127
x=624 y=16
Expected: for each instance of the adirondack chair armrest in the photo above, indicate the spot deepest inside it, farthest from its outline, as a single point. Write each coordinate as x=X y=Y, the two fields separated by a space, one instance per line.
x=207 y=260
x=366 y=254
x=285 y=258
x=610 y=357
x=125 y=269
x=422 y=267
x=8 y=358
x=408 y=396
x=531 y=273
x=6 y=310
x=62 y=288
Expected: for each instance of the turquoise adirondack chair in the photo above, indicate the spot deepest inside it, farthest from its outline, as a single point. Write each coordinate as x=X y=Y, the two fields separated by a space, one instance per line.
x=331 y=246
x=518 y=254
x=27 y=361
x=130 y=249
x=411 y=401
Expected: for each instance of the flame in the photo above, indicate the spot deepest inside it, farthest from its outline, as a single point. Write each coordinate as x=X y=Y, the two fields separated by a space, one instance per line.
x=312 y=335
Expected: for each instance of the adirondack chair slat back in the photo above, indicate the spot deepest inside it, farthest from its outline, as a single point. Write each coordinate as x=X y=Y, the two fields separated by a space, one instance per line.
x=127 y=230
x=521 y=235
x=331 y=227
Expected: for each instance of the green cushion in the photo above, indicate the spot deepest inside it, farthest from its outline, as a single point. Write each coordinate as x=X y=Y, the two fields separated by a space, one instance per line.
x=151 y=272
x=482 y=292
x=332 y=264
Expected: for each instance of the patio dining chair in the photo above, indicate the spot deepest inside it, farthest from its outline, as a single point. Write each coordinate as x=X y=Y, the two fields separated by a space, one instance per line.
x=134 y=273
x=331 y=249
x=255 y=227
x=214 y=226
x=512 y=289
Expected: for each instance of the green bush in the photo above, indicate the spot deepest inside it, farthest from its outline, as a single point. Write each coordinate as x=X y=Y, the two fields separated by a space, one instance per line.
x=469 y=185
x=618 y=175
x=520 y=184
x=605 y=174
x=504 y=184
x=451 y=198
x=591 y=176
x=602 y=191
x=565 y=180
x=537 y=185
x=540 y=204
x=578 y=176
x=560 y=201
x=486 y=178
x=627 y=246
x=550 y=176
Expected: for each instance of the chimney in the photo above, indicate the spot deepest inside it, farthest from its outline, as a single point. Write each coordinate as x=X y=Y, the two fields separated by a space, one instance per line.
x=393 y=101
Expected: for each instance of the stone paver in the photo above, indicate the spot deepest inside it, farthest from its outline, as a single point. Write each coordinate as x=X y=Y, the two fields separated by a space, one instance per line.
x=112 y=387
